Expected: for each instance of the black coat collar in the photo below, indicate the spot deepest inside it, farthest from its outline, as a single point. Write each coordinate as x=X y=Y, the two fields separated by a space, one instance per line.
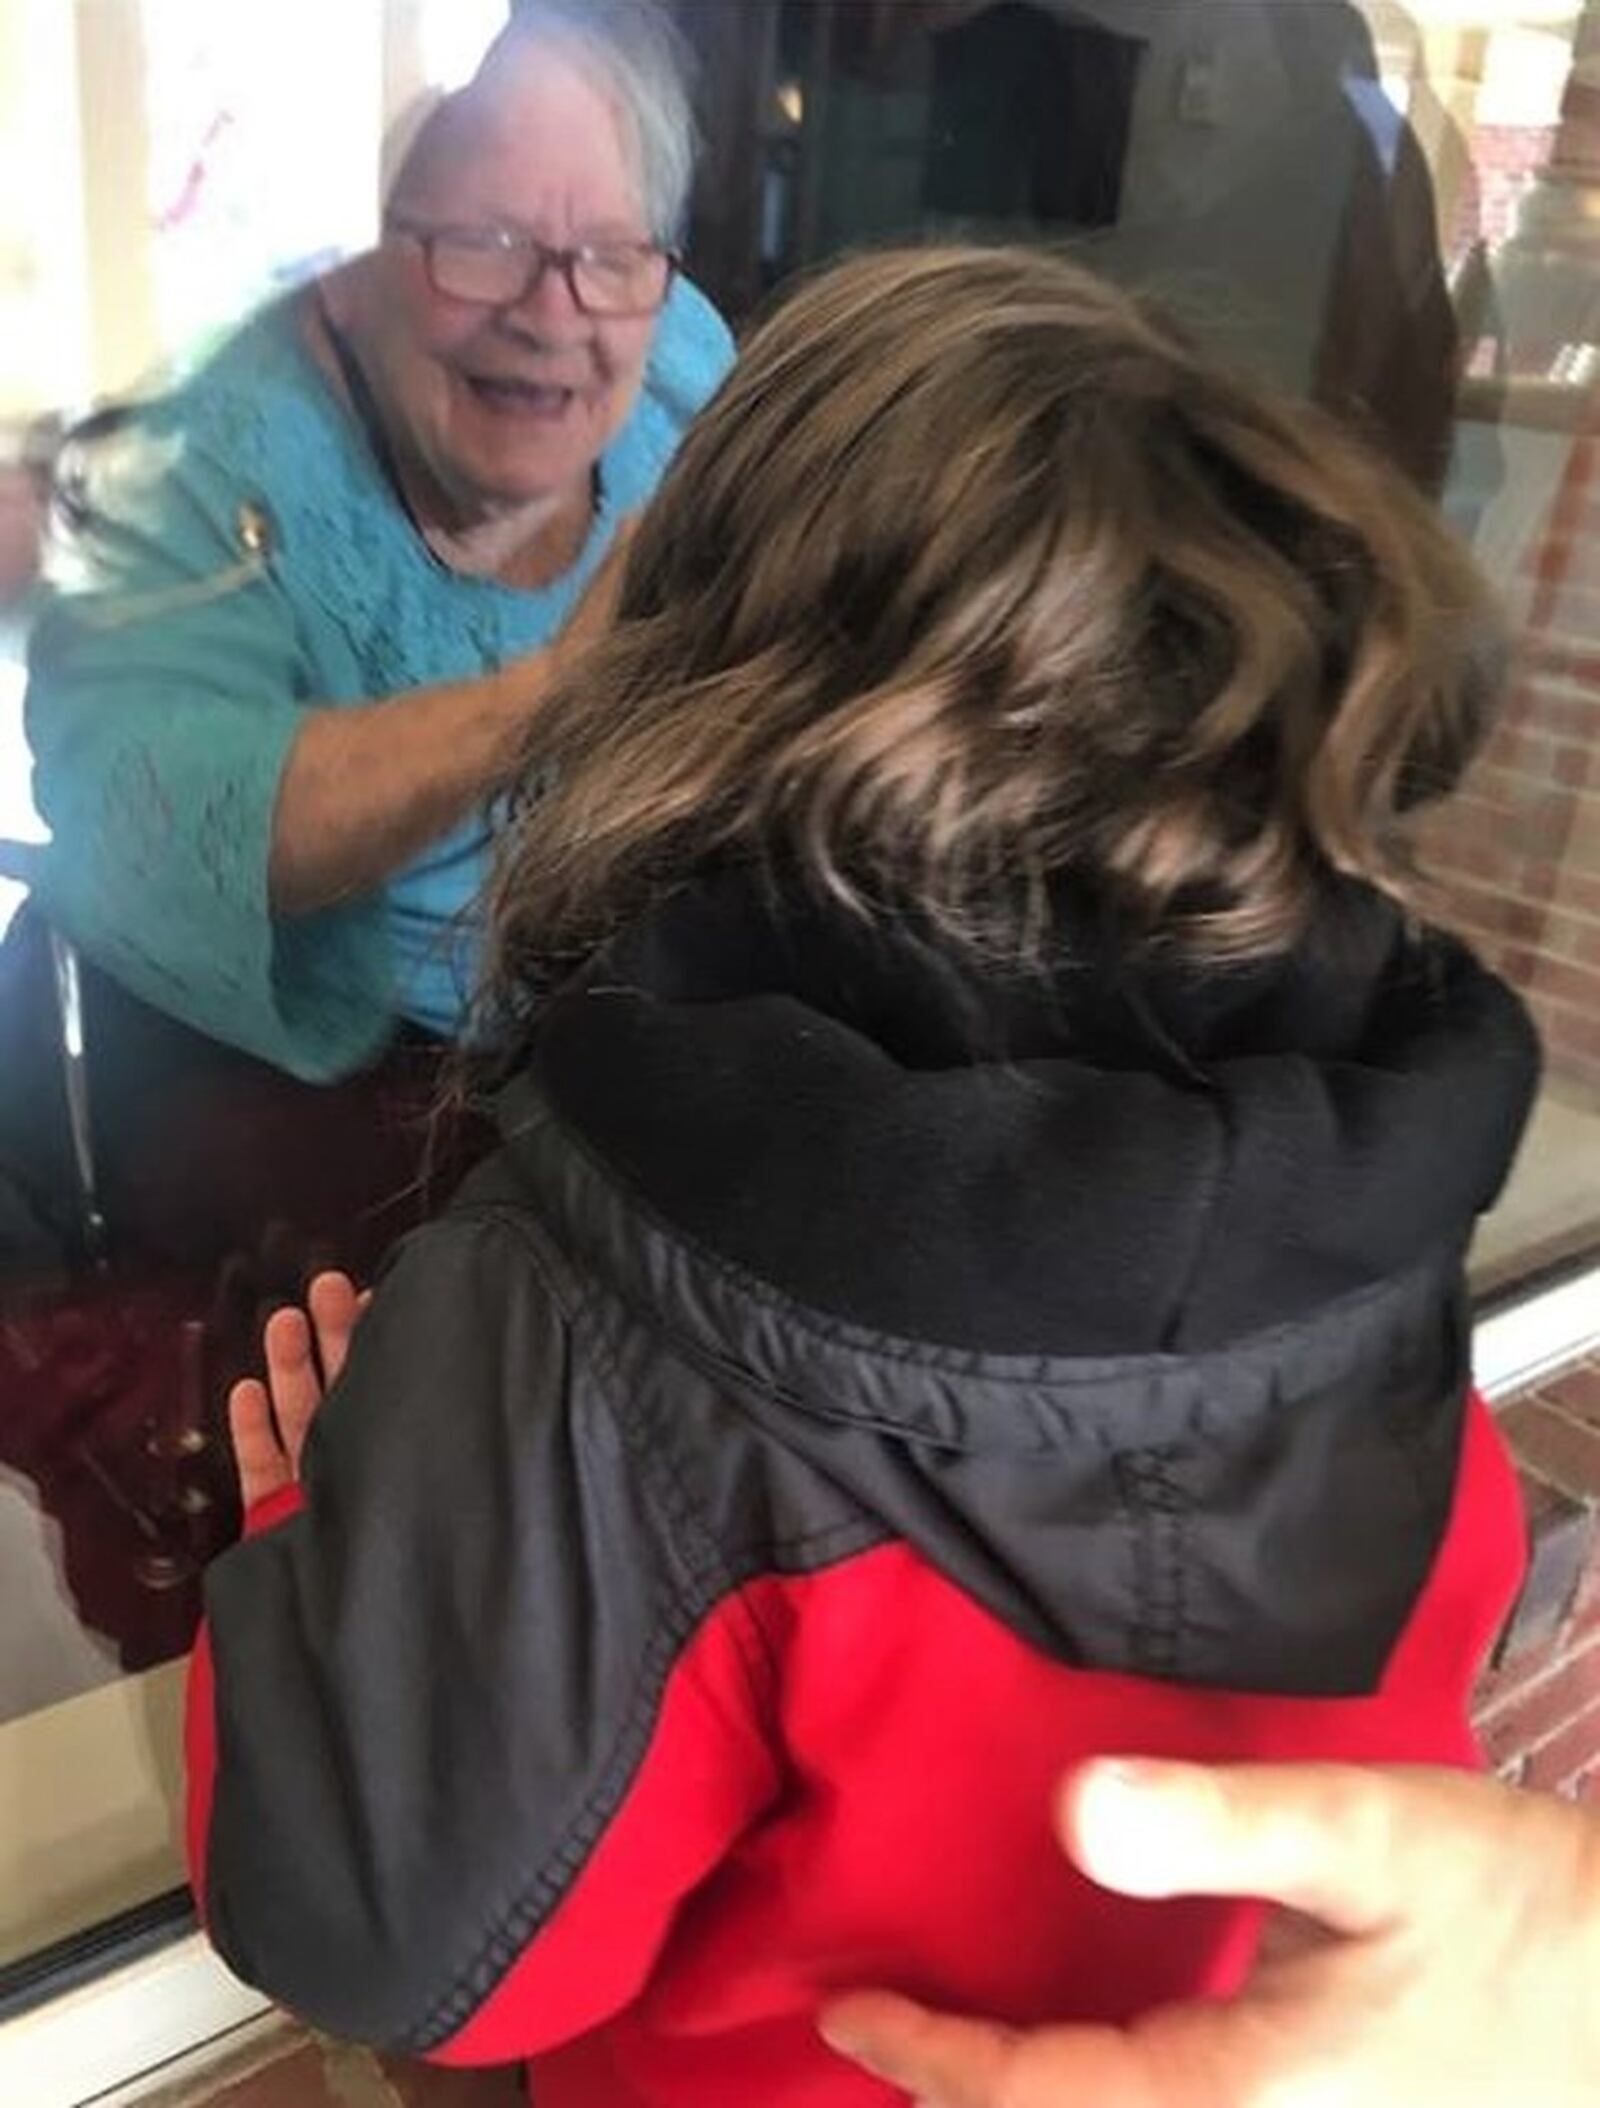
x=1083 y=1162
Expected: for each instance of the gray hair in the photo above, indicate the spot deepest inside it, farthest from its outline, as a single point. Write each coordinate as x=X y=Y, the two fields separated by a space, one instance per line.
x=639 y=58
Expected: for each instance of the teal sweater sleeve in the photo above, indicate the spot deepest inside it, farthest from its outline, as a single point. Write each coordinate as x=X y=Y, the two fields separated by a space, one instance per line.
x=170 y=670
x=165 y=688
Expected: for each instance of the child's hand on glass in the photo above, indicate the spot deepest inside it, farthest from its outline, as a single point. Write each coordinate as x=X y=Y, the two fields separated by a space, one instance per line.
x=305 y=1350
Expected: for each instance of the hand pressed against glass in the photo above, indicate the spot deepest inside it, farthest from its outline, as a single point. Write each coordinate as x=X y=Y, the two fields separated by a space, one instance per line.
x=305 y=1351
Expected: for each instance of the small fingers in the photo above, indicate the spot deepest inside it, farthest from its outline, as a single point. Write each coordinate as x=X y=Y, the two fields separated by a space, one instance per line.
x=257 y=1453
x=335 y=1312
x=1330 y=1841
x=292 y=1380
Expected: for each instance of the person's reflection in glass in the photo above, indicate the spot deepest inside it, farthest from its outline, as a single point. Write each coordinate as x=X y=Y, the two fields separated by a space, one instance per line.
x=316 y=593
x=1247 y=162
x=1029 y=117
x=1391 y=349
x=1291 y=208
x=321 y=577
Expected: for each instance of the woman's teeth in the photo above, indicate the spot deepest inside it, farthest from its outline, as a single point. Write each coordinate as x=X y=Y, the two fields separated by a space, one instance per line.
x=531 y=398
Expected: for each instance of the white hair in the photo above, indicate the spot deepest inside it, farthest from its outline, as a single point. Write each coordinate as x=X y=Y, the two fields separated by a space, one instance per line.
x=640 y=59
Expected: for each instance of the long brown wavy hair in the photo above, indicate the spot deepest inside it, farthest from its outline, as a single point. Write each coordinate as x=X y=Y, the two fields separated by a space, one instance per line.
x=977 y=573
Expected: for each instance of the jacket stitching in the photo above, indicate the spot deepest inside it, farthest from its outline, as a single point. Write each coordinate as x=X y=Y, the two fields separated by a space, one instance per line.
x=502 y=1945
x=675 y=1613
x=1154 y=1500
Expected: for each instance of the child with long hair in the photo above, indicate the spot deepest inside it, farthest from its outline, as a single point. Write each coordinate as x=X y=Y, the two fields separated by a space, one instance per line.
x=973 y=1276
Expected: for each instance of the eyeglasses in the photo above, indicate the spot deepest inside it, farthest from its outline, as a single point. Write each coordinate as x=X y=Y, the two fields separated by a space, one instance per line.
x=493 y=267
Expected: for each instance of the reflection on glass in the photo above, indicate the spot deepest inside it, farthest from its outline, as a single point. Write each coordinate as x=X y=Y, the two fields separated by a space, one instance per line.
x=233 y=217
x=1396 y=210
x=175 y=165
x=1392 y=209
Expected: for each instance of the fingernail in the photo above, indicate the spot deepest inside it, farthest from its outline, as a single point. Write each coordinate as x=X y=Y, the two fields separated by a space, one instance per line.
x=844 y=2042
x=1130 y=1831
x=840 y=2039
x=1114 y=1790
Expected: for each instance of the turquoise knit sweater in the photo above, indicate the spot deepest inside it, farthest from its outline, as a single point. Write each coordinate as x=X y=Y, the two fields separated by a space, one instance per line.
x=170 y=668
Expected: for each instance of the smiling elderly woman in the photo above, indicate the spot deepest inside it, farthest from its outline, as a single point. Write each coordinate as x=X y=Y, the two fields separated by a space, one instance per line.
x=319 y=585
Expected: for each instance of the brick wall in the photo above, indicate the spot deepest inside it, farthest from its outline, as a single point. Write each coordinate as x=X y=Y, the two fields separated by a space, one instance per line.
x=1538 y=1709
x=1506 y=158
x=1516 y=852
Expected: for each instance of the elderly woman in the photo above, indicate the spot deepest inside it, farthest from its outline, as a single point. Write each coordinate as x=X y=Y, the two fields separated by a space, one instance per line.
x=323 y=582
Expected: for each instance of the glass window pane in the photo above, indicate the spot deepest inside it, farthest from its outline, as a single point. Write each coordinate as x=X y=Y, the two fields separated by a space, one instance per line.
x=1394 y=210
x=1391 y=209
x=167 y=165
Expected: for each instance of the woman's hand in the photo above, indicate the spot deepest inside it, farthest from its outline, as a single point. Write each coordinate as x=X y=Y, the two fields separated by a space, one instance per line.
x=1443 y=1952
x=368 y=786
x=269 y=1421
x=596 y=609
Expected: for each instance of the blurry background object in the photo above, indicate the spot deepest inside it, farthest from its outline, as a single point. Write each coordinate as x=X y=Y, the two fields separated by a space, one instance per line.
x=1395 y=209
x=165 y=164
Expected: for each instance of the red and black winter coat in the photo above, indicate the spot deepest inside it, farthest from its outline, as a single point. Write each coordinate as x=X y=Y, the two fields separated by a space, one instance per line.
x=851 y=1395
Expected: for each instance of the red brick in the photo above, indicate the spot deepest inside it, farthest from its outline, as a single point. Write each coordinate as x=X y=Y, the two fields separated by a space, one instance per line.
x=1565 y=1030
x=1571 y=604
x=1520 y=702
x=1561 y=1450
x=1467 y=853
x=1571 y=657
x=1567 y=1755
x=1577 y=913
x=1519 y=826
x=1515 y=1673
x=1573 y=938
x=1571 y=1057
x=1509 y=746
x=1563 y=714
x=1563 y=554
x=1571 y=764
x=1586 y=1611
x=1524 y=1723
x=1576 y=891
x=1503 y=912
x=1541 y=798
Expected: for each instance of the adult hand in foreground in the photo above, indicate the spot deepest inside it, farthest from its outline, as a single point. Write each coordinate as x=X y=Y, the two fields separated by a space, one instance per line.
x=1438 y=1946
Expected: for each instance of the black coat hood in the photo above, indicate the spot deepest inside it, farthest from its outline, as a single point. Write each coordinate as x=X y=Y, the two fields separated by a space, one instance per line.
x=1141 y=1286
x=1077 y=1164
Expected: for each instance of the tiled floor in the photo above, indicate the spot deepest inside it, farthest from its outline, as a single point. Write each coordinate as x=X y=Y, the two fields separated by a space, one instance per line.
x=302 y=2072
